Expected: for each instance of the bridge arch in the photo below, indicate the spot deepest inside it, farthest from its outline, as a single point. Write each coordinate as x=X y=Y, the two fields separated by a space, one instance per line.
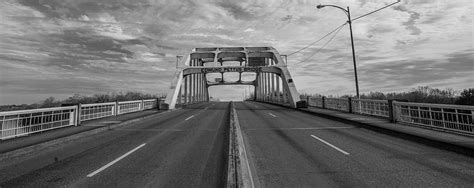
x=272 y=83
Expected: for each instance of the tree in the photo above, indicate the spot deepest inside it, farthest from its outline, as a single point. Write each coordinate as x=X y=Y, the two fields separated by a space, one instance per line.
x=467 y=97
x=49 y=102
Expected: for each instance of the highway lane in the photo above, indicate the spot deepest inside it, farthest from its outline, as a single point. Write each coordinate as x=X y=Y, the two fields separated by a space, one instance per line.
x=183 y=148
x=288 y=148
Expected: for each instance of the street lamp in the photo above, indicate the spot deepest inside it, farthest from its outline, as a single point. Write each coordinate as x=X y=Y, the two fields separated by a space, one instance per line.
x=348 y=13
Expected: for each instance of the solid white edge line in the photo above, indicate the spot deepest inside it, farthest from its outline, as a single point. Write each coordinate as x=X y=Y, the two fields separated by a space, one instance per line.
x=327 y=143
x=114 y=161
x=189 y=118
x=272 y=114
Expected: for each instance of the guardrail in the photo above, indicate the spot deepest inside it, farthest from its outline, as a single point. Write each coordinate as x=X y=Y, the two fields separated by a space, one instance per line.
x=97 y=110
x=453 y=118
x=25 y=122
x=371 y=107
x=340 y=104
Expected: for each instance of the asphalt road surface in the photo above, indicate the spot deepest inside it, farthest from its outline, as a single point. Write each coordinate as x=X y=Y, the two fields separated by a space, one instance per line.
x=183 y=148
x=288 y=148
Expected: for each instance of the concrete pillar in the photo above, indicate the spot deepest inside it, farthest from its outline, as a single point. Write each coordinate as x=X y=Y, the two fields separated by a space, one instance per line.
x=185 y=90
x=192 y=82
x=259 y=86
x=268 y=87
x=194 y=88
x=263 y=87
x=204 y=87
x=278 y=88
x=200 y=88
x=180 y=98
x=273 y=87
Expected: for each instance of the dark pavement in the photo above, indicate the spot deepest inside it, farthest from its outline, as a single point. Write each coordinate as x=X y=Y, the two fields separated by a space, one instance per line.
x=289 y=148
x=183 y=148
x=32 y=139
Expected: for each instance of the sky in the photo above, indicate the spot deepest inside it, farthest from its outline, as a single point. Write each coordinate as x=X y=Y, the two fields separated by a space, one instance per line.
x=63 y=47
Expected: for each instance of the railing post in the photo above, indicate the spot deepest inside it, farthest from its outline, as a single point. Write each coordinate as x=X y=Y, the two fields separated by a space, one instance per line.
x=158 y=103
x=349 y=105
x=323 y=101
x=116 y=108
x=78 y=121
x=143 y=105
x=391 y=110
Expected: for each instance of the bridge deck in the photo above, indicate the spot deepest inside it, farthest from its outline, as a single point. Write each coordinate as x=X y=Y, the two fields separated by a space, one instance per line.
x=289 y=148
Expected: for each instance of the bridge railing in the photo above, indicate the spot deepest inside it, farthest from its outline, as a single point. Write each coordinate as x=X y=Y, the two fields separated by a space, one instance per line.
x=25 y=122
x=315 y=101
x=371 y=107
x=455 y=118
x=452 y=118
x=97 y=110
x=341 y=104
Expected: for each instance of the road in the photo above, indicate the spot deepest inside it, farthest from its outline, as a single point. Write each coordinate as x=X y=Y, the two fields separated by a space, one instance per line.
x=183 y=148
x=288 y=148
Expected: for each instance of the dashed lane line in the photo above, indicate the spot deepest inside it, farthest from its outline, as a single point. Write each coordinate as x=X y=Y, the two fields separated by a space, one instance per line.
x=189 y=118
x=329 y=144
x=114 y=161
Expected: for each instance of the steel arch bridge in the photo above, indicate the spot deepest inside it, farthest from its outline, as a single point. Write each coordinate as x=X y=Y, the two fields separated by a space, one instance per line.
x=273 y=82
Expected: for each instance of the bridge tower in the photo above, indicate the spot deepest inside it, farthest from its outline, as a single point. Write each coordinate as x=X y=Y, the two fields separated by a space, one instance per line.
x=273 y=82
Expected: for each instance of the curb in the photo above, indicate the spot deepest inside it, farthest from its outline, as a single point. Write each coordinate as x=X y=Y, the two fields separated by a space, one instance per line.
x=440 y=144
x=63 y=140
x=238 y=168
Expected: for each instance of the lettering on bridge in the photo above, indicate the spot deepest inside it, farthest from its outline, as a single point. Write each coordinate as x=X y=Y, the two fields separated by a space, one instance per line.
x=230 y=69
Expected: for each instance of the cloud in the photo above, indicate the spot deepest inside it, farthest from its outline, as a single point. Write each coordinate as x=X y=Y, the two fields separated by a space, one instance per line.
x=132 y=45
x=410 y=24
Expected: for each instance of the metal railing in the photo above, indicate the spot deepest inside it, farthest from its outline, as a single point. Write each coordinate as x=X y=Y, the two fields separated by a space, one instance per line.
x=129 y=106
x=315 y=101
x=25 y=122
x=453 y=118
x=448 y=117
x=341 y=104
x=371 y=107
x=97 y=110
x=149 y=104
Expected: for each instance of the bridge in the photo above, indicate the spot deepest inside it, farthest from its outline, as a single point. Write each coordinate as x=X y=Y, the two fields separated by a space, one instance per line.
x=273 y=82
x=278 y=139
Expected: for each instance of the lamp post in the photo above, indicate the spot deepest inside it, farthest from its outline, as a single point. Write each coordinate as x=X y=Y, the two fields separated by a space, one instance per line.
x=348 y=13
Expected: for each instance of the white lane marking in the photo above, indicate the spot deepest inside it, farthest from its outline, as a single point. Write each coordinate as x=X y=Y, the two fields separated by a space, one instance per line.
x=301 y=128
x=189 y=118
x=327 y=143
x=273 y=115
x=114 y=161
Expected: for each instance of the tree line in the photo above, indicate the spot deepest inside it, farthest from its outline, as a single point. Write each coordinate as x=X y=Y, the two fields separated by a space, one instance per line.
x=83 y=99
x=421 y=94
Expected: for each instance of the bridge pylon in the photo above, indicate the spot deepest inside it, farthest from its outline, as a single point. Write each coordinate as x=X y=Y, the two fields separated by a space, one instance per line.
x=273 y=82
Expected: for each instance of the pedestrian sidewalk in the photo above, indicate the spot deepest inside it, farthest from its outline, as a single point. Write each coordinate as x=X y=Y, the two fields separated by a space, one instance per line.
x=25 y=141
x=445 y=140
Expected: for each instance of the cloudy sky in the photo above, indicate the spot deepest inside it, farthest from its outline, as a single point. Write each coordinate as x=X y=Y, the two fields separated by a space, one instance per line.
x=62 y=47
